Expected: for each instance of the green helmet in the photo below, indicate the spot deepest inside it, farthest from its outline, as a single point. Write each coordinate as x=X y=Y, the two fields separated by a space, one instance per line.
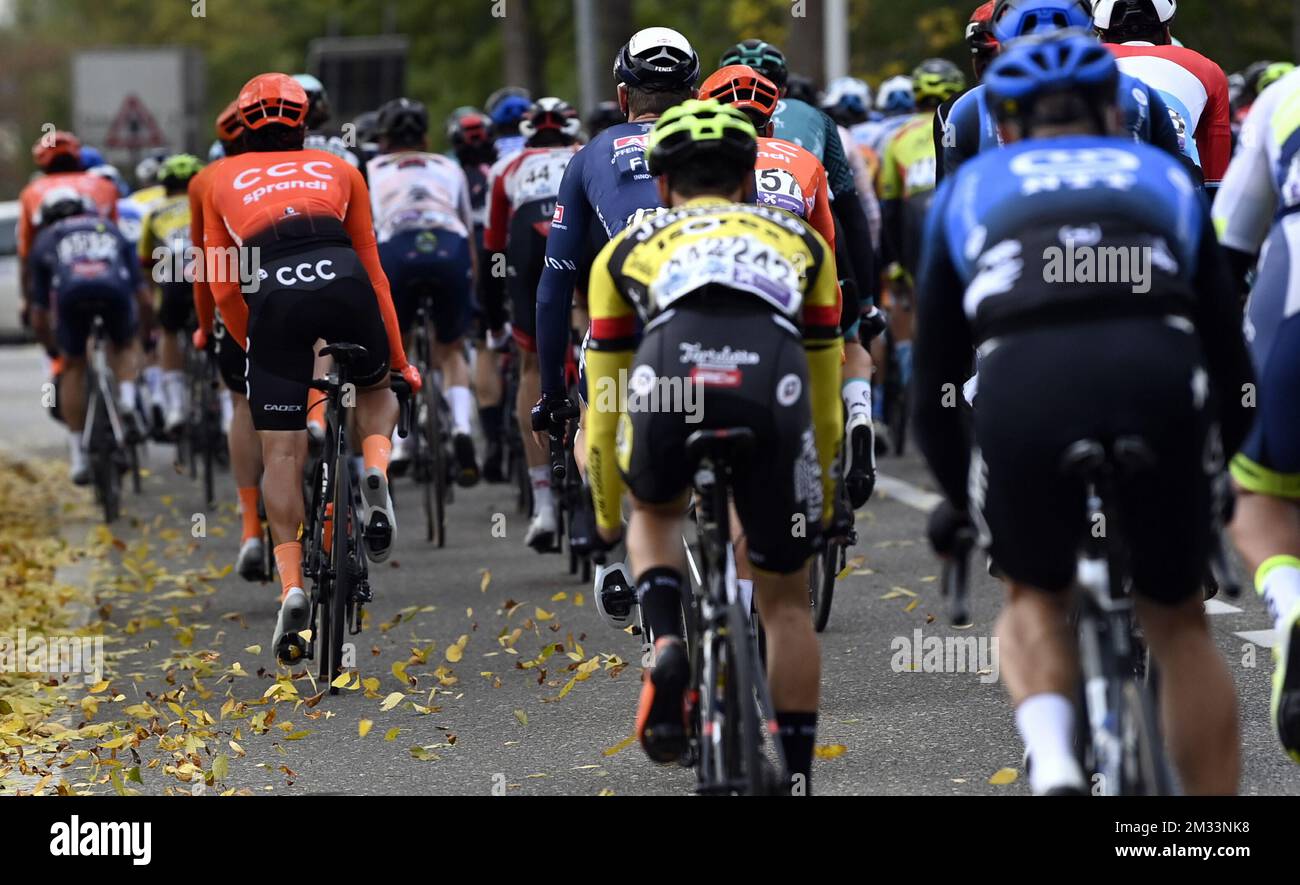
x=936 y=80
x=695 y=128
x=1273 y=73
x=178 y=169
x=762 y=57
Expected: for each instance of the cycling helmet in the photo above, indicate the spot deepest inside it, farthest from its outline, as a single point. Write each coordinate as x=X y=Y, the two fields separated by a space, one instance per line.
x=229 y=126
x=111 y=173
x=847 y=101
x=403 y=119
x=272 y=99
x=694 y=129
x=1133 y=17
x=979 y=31
x=91 y=157
x=936 y=80
x=366 y=126
x=606 y=114
x=1072 y=62
x=1272 y=74
x=804 y=89
x=508 y=112
x=762 y=57
x=63 y=202
x=657 y=59
x=146 y=171
x=896 y=96
x=178 y=169
x=468 y=129
x=551 y=115
x=502 y=94
x=1017 y=18
x=318 y=100
x=744 y=88
x=49 y=148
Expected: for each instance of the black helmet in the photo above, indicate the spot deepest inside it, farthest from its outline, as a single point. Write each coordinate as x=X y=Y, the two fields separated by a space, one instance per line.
x=762 y=57
x=657 y=59
x=403 y=119
x=60 y=203
x=606 y=114
x=801 y=88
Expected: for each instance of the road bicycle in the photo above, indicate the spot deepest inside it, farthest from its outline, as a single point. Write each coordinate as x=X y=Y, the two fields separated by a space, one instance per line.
x=111 y=447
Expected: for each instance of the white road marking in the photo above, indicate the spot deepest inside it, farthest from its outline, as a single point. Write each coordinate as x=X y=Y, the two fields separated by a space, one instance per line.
x=906 y=493
x=1266 y=638
x=1215 y=607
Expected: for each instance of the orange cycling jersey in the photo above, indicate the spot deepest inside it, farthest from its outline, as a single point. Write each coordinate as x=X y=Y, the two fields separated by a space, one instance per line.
x=260 y=199
x=792 y=178
x=100 y=190
x=205 y=308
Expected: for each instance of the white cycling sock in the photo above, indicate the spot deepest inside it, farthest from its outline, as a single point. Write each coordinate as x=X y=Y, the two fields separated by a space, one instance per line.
x=76 y=454
x=1046 y=725
x=856 y=394
x=128 y=395
x=174 y=389
x=227 y=411
x=1279 y=584
x=152 y=376
x=462 y=408
x=542 y=499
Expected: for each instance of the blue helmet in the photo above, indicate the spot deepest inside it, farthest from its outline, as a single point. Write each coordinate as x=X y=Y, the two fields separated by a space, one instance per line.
x=510 y=110
x=91 y=157
x=1019 y=18
x=1071 y=62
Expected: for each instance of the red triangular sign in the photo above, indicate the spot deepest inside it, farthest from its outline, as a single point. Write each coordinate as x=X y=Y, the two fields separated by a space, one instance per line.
x=134 y=127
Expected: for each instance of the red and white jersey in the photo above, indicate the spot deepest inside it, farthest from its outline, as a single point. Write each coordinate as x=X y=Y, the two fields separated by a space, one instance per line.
x=527 y=178
x=413 y=190
x=1196 y=90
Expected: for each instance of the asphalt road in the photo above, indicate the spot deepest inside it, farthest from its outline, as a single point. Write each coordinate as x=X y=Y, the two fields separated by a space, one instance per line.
x=494 y=718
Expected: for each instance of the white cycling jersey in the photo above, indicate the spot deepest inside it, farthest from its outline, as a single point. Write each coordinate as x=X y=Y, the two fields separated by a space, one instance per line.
x=413 y=190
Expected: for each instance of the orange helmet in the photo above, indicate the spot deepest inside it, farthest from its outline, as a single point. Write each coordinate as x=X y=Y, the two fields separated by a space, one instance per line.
x=272 y=99
x=48 y=148
x=229 y=126
x=744 y=88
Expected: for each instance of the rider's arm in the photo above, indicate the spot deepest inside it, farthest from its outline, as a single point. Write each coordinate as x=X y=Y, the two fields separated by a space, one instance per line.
x=822 y=343
x=217 y=245
x=205 y=308
x=361 y=228
x=1214 y=131
x=940 y=127
x=821 y=217
x=1164 y=135
x=1219 y=322
x=960 y=139
x=941 y=360
x=609 y=358
x=555 y=290
x=493 y=285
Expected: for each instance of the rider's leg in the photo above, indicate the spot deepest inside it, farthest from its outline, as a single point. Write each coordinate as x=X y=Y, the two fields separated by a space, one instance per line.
x=1198 y=701
x=1038 y=660
x=859 y=438
x=246 y=465
x=284 y=453
x=793 y=662
x=1266 y=528
x=315 y=398
x=455 y=377
x=537 y=458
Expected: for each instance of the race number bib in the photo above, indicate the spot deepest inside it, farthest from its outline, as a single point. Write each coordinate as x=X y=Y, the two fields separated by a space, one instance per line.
x=780 y=189
x=738 y=263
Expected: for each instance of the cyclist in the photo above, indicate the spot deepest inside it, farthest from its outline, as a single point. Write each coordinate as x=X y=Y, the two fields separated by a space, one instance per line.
x=424 y=221
x=318 y=117
x=971 y=126
x=80 y=265
x=232 y=364
x=740 y=301
x=603 y=116
x=799 y=122
x=506 y=107
x=607 y=183
x=1271 y=74
x=1258 y=213
x=164 y=247
x=524 y=192
x=1194 y=88
x=848 y=102
x=1175 y=362
x=58 y=156
x=366 y=127
x=319 y=278
x=984 y=47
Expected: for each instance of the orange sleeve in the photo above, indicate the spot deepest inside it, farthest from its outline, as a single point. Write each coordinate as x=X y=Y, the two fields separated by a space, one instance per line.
x=26 y=230
x=822 y=220
x=360 y=227
x=205 y=308
x=217 y=246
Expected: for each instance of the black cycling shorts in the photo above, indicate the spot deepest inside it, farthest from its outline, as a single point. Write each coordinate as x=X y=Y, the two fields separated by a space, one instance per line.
x=176 y=307
x=1042 y=391
x=320 y=293
x=434 y=265
x=232 y=360
x=745 y=368
x=526 y=259
x=75 y=309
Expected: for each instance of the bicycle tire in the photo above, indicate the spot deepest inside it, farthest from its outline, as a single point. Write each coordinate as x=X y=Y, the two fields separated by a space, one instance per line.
x=341 y=586
x=747 y=739
x=438 y=449
x=1150 y=775
x=821 y=582
x=107 y=482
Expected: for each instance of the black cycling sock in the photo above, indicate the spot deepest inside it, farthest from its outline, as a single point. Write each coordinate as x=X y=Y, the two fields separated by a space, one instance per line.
x=659 y=591
x=798 y=733
x=490 y=419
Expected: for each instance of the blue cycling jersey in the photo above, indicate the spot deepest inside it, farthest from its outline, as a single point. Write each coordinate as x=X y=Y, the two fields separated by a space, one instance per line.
x=972 y=128
x=606 y=182
x=82 y=251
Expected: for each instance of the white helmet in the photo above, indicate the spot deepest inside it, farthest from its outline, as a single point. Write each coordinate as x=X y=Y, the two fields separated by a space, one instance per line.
x=62 y=202
x=1106 y=14
x=895 y=94
x=847 y=88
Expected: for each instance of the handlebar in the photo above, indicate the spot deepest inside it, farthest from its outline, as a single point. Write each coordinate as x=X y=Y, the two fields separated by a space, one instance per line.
x=406 y=403
x=558 y=431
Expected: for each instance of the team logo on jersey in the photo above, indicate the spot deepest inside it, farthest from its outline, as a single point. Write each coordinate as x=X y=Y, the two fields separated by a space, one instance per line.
x=788 y=390
x=627 y=141
x=558 y=217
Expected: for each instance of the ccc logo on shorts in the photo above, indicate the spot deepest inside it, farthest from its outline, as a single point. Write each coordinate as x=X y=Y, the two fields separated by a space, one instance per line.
x=305 y=273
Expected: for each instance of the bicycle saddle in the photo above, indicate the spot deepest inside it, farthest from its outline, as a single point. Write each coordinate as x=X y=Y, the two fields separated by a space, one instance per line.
x=343 y=352
x=1126 y=456
x=719 y=445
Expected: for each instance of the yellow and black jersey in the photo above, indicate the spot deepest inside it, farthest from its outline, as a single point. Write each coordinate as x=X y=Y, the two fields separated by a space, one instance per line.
x=709 y=244
x=167 y=226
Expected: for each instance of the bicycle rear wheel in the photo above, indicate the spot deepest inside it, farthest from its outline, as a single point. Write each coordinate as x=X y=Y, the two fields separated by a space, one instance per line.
x=822 y=573
x=745 y=770
x=340 y=554
x=1146 y=771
